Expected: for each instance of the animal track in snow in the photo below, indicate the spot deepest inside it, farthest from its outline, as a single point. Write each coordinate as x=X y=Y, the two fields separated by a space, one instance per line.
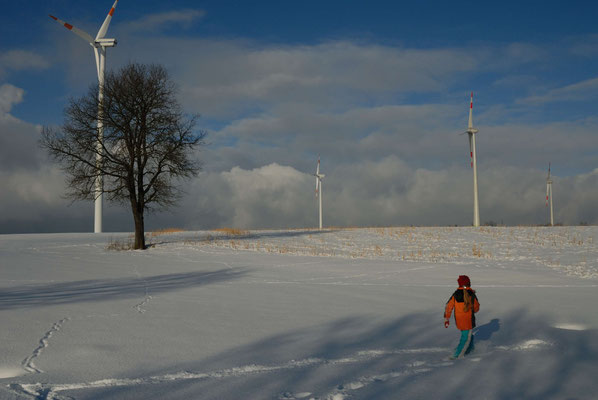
x=147 y=297
x=139 y=307
x=28 y=363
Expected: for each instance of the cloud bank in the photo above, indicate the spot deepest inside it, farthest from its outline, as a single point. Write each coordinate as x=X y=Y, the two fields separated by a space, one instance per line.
x=384 y=118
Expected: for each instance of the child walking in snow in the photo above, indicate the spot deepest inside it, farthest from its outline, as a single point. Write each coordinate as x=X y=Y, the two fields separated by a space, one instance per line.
x=465 y=303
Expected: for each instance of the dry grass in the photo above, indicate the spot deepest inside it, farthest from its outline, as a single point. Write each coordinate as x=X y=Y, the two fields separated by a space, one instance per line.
x=218 y=236
x=165 y=231
x=232 y=231
x=121 y=245
x=422 y=244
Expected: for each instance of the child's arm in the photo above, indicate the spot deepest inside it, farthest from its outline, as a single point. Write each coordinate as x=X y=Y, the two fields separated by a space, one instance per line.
x=476 y=304
x=448 y=310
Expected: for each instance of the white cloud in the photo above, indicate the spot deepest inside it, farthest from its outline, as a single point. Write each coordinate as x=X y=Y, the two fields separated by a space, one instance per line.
x=228 y=77
x=387 y=162
x=583 y=46
x=272 y=194
x=41 y=188
x=424 y=136
x=158 y=21
x=575 y=198
x=522 y=53
x=18 y=139
x=575 y=92
x=386 y=191
x=9 y=95
x=32 y=202
x=383 y=192
x=357 y=134
x=18 y=60
x=516 y=81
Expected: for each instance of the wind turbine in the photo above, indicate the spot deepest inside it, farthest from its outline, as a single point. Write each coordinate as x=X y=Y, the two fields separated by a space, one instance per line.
x=471 y=131
x=319 y=178
x=549 y=195
x=99 y=44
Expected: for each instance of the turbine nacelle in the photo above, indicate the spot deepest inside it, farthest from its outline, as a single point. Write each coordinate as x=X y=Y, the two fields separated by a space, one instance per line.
x=104 y=43
x=99 y=40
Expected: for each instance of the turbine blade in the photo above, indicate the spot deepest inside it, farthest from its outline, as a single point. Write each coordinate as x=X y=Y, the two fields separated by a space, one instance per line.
x=470 y=150
x=547 y=191
x=95 y=51
x=318 y=177
x=84 y=35
x=104 y=27
x=470 y=125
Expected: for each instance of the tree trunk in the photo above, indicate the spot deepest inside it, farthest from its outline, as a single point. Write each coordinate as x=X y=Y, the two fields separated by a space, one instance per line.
x=139 y=229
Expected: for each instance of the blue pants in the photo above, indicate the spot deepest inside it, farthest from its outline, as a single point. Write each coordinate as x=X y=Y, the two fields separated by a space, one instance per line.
x=465 y=345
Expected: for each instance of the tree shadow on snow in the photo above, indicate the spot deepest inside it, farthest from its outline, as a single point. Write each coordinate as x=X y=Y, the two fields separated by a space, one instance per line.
x=519 y=356
x=108 y=289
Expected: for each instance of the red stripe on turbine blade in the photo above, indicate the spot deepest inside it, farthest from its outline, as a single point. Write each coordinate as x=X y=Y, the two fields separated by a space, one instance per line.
x=54 y=18
x=111 y=11
x=68 y=26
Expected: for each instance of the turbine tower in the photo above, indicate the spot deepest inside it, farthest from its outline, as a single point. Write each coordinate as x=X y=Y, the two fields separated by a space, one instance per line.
x=319 y=178
x=549 y=195
x=99 y=44
x=471 y=131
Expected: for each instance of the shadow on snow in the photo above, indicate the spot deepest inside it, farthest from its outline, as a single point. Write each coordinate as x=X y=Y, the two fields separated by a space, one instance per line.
x=108 y=289
x=406 y=358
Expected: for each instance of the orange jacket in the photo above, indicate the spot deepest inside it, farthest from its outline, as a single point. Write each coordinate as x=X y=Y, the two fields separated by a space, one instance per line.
x=465 y=319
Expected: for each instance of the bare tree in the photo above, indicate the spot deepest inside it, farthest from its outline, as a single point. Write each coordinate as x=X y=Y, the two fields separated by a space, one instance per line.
x=147 y=145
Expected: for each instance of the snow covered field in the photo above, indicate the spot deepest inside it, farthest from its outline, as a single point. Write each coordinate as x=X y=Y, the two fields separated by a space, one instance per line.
x=298 y=314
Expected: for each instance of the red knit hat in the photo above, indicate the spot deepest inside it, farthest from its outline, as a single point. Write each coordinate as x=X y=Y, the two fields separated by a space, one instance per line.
x=464 y=281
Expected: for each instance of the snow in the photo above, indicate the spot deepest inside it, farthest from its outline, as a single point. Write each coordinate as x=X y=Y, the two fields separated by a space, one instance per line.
x=298 y=314
x=573 y=327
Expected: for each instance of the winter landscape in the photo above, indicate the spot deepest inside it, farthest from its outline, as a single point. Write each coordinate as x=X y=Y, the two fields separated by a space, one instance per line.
x=298 y=314
x=214 y=117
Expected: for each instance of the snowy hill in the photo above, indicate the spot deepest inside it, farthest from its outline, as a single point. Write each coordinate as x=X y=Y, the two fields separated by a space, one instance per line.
x=299 y=314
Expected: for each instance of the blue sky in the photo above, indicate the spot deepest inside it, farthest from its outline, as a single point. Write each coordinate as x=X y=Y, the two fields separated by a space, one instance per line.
x=379 y=89
x=422 y=25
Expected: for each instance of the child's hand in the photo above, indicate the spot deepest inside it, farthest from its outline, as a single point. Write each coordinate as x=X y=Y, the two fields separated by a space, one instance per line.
x=446 y=322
